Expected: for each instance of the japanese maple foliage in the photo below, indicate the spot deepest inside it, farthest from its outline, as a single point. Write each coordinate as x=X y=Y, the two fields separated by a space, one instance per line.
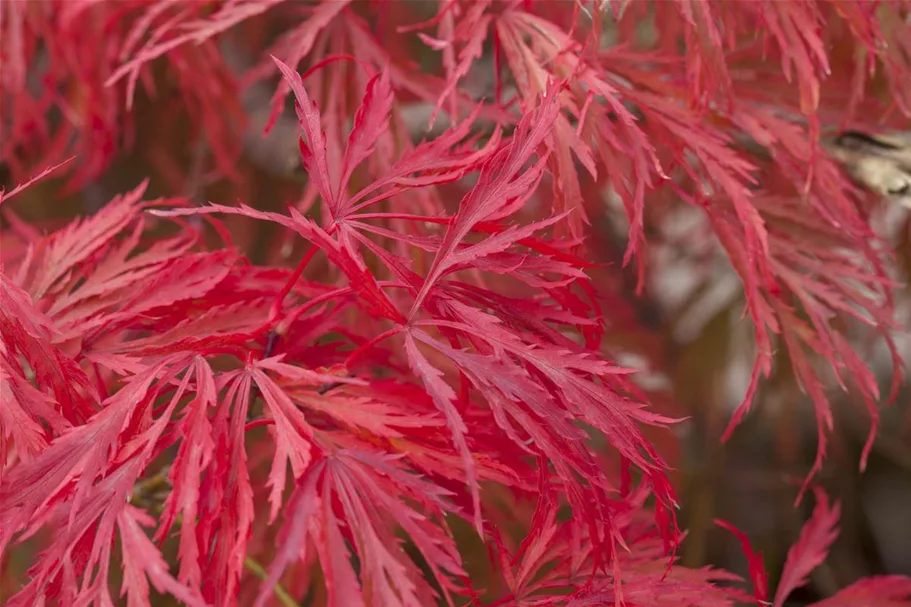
x=415 y=399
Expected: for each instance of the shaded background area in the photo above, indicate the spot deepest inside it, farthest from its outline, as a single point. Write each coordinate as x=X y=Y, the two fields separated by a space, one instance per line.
x=685 y=331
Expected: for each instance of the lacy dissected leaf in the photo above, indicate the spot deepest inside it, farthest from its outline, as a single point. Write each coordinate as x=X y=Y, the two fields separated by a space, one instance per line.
x=362 y=282
x=27 y=336
x=542 y=419
x=94 y=280
x=811 y=547
x=122 y=266
x=715 y=163
x=527 y=62
x=225 y=505
x=444 y=397
x=826 y=278
x=313 y=150
x=502 y=188
x=828 y=259
x=77 y=485
x=357 y=497
x=431 y=163
x=494 y=187
x=57 y=256
x=758 y=574
x=880 y=590
x=552 y=566
x=24 y=408
x=143 y=563
x=293 y=435
x=95 y=283
x=382 y=413
x=180 y=279
x=794 y=27
x=789 y=226
x=513 y=27
x=194 y=455
x=217 y=327
x=424 y=362
x=84 y=543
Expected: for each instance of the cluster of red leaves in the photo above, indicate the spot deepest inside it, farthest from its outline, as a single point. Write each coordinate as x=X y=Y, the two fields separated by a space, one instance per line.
x=452 y=350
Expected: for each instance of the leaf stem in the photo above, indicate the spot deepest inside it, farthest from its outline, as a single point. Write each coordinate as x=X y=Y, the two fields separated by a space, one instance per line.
x=286 y=599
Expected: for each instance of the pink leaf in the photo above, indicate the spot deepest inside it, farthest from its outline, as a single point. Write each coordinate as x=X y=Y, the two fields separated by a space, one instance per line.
x=811 y=547
x=500 y=183
x=314 y=148
x=874 y=591
x=754 y=561
x=370 y=121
